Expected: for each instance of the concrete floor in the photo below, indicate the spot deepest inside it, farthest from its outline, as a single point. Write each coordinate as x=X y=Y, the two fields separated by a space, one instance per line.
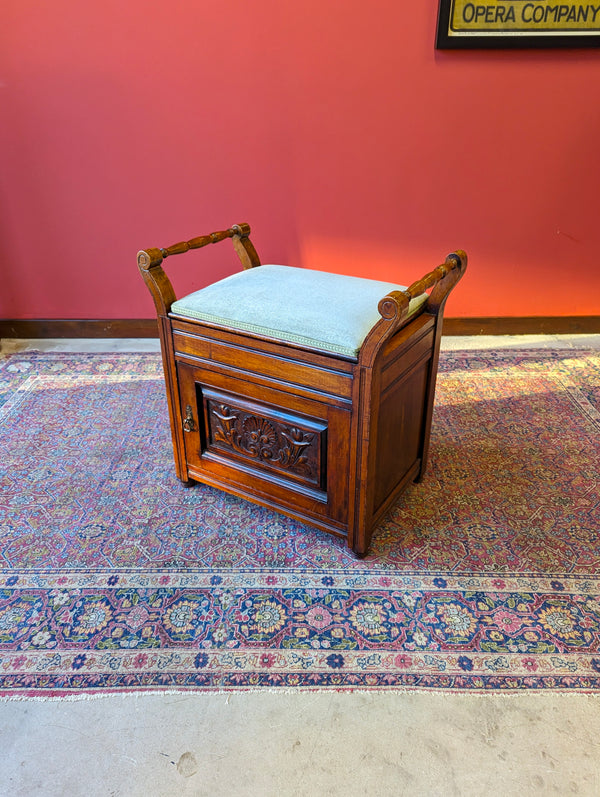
x=302 y=745
x=291 y=745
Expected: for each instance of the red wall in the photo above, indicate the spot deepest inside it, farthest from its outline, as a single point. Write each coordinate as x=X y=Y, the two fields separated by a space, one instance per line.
x=334 y=128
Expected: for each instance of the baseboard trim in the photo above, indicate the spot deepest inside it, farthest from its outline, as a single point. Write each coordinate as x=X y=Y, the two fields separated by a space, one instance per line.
x=147 y=327
x=73 y=328
x=524 y=325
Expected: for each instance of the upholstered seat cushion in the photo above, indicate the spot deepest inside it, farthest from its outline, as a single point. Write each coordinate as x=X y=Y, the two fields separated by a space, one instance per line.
x=324 y=311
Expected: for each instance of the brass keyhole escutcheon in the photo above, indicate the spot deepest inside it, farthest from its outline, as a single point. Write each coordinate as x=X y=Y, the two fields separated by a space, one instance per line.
x=188 y=423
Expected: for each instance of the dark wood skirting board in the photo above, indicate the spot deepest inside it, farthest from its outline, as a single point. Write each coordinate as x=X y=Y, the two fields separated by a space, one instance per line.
x=79 y=328
x=147 y=328
x=524 y=325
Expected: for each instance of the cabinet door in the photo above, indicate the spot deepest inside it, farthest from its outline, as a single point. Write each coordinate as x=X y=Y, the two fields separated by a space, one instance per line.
x=281 y=449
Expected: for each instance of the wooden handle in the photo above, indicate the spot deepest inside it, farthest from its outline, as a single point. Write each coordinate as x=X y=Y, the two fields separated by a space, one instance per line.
x=153 y=256
x=454 y=260
x=150 y=260
x=394 y=305
x=393 y=308
x=241 y=230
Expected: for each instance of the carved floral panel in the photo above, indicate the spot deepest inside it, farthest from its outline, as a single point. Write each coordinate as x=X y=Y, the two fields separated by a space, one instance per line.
x=287 y=444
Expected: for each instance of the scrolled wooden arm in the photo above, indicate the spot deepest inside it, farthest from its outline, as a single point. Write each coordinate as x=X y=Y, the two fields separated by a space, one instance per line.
x=393 y=308
x=150 y=261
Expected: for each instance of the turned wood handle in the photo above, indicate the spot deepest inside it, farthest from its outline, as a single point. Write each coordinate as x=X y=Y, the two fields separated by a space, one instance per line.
x=241 y=230
x=150 y=261
x=454 y=260
x=394 y=304
x=393 y=308
x=147 y=258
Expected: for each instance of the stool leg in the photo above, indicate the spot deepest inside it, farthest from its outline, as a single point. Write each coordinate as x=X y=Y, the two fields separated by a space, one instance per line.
x=420 y=475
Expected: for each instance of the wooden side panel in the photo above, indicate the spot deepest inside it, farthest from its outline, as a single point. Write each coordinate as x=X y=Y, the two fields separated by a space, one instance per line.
x=402 y=358
x=401 y=410
x=399 y=432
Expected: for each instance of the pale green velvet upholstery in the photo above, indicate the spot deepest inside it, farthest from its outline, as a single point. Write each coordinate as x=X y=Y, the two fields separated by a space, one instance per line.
x=324 y=311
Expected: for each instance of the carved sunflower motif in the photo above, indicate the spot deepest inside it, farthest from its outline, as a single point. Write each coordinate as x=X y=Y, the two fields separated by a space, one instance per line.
x=259 y=437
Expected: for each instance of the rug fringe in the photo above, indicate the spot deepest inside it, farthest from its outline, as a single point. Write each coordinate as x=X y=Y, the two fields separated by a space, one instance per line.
x=237 y=692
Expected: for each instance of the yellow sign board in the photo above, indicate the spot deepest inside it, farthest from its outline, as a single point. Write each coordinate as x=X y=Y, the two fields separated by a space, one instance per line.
x=520 y=18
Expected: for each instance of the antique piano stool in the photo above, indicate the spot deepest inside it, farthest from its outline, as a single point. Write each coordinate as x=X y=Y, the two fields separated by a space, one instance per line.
x=304 y=391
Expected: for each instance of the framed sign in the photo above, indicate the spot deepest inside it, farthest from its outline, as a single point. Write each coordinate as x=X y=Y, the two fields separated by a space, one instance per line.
x=518 y=23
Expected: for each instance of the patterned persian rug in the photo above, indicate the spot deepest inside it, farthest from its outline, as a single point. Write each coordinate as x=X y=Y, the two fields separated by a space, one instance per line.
x=113 y=578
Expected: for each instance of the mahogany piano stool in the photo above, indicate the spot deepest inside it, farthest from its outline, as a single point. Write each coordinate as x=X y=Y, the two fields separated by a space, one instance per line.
x=307 y=392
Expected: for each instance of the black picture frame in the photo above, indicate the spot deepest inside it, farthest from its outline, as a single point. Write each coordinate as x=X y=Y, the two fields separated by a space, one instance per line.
x=450 y=36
